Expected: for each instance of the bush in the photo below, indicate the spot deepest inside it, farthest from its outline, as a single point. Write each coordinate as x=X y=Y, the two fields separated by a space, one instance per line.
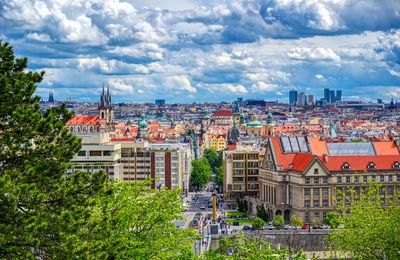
x=278 y=221
x=262 y=213
x=258 y=223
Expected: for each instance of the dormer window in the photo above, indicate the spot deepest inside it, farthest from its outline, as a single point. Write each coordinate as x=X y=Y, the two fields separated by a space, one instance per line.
x=396 y=165
x=346 y=166
x=316 y=171
x=371 y=165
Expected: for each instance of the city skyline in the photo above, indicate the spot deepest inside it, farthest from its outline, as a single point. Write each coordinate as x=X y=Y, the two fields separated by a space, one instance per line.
x=208 y=51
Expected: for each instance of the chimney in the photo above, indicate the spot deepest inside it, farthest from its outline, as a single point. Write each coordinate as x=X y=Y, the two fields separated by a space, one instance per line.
x=325 y=157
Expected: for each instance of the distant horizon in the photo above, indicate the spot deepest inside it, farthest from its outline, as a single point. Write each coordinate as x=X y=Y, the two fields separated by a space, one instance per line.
x=202 y=50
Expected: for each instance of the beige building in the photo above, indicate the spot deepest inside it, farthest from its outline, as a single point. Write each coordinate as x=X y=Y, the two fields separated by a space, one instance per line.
x=301 y=175
x=240 y=176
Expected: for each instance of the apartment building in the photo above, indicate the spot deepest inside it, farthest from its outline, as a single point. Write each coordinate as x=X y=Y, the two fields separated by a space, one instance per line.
x=302 y=175
x=240 y=176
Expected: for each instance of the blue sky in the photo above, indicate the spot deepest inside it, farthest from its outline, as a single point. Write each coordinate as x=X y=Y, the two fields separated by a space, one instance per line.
x=208 y=51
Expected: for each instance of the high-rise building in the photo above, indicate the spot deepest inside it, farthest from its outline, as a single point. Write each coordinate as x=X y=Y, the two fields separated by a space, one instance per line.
x=332 y=96
x=379 y=101
x=159 y=101
x=327 y=95
x=338 y=95
x=51 y=98
x=292 y=97
x=302 y=99
x=310 y=100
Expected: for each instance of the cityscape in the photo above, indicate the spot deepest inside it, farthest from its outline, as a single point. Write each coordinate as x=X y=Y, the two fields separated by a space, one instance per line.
x=199 y=130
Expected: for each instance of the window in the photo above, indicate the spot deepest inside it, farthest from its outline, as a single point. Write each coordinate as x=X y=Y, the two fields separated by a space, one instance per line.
x=381 y=190
x=82 y=153
x=325 y=203
x=324 y=215
x=346 y=166
x=307 y=180
x=307 y=191
x=307 y=203
x=390 y=189
x=347 y=179
x=107 y=153
x=390 y=178
x=316 y=191
x=382 y=178
x=316 y=214
x=316 y=203
x=365 y=178
x=339 y=179
x=95 y=153
x=398 y=177
x=383 y=201
x=325 y=180
x=325 y=191
x=316 y=180
x=307 y=218
x=356 y=179
x=347 y=202
x=316 y=171
x=371 y=165
x=373 y=178
x=396 y=165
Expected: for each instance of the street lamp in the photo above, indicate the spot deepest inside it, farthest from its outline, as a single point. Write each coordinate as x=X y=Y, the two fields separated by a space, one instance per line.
x=308 y=215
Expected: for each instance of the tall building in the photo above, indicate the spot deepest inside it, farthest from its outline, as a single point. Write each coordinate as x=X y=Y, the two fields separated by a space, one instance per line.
x=51 y=98
x=310 y=100
x=302 y=99
x=106 y=112
x=332 y=96
x=327 y=95
x=292 y=97
x=338 y=95
x=159 y=102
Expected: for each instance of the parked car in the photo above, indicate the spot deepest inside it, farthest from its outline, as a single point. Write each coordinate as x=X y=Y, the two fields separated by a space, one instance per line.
x=304 y=227
x=246 y=228
x=202 y=207
x=270 y=227
x=286 y=227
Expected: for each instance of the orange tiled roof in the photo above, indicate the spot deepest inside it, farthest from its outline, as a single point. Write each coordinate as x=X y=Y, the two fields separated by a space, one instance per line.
x=361 y=162
x=222 y=113
x=300 y=161
x=386 y=148
x=84 y=120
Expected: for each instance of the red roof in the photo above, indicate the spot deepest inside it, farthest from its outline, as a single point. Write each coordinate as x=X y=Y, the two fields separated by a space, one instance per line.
x=84 y=120
x=223 y=113
x=301 y=161
x=361 y=162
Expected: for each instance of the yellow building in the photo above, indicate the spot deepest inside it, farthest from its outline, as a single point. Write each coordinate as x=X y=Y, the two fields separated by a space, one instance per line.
x=219 y=142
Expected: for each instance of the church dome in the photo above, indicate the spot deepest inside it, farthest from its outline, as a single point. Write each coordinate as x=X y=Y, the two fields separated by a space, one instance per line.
x=143 y=123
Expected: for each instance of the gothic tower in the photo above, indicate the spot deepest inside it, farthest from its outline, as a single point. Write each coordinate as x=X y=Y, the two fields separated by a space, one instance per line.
x=106 y=112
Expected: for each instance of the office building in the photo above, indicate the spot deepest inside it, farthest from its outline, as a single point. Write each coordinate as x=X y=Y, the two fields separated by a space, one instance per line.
x=292 y=97
x=159 y=102
x=310 y=100
x=338 y=95
x=332 y=96
x=302 y=99
x=327 y=95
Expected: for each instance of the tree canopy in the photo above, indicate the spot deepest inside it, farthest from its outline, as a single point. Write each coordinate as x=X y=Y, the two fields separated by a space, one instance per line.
x=213 y=158
x=258 y=223
x=371 y=225
x=278 y=221
x=201 y=173
x=296 y=221
x=219 y=176
x=262 y=213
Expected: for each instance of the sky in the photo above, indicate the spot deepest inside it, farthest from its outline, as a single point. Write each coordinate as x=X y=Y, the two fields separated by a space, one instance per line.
x=207 y=50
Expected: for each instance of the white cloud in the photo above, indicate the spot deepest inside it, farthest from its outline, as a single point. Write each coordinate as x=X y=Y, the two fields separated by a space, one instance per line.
x=319 y=76
x=179 y=82
x=313 y=54
x=120 y=87
x=263 y=87
x=41 y=37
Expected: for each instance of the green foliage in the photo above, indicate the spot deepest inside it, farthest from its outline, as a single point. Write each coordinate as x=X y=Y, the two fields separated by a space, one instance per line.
x=201 y=173
x=137 y=223
x=244 y=248
x=213 y=158
x=370 y=228
x=258 y=223
x=262 y=213
x=219 y=176
x=332 y=220
x=314 y=223
x=296 y=221
x=242 y=205
x=278 y=221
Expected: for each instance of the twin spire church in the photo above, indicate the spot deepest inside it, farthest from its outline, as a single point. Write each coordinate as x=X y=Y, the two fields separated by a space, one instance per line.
x=103 y=122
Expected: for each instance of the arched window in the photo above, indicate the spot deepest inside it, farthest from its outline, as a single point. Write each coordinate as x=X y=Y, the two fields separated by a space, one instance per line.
x=102 y=115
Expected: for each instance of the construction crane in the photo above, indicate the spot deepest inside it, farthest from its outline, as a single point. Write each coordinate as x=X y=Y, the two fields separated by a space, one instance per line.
x=70 y=99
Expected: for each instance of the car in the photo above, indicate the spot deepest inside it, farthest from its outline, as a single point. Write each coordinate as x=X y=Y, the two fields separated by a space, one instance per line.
x=202 y=207
x=270 y=227
x=286 y=227
x=246 y=228
x=304 y=227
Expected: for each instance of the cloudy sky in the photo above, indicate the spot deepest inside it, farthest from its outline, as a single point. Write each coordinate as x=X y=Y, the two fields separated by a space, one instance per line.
x=208 y=50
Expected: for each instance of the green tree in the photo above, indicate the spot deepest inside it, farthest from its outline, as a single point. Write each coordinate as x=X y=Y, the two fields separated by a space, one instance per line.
x=41 y=209
x=332 y=220
x=370 y=228
x=201 y=173
x=240 y=247
x=278 y=221
x=242 y=205
x=314 y=223
x=212 y=157
x=219 y=176
x=258 y=223
x=296 y=221
x=262 y=213
x=137 y=223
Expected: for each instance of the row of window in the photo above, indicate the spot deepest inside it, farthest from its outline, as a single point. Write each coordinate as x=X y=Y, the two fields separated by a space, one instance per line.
x=317 y=180
x=316 y=216
x=96 y=153
x=316 y=203
x=382 y=178
x=316 y=191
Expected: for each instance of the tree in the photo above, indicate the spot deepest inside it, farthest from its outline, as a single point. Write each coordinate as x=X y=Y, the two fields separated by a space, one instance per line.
x=212 y=157
x=258 y=223
x=201 y=173
x=41 y=209
x=242 y=205
x=296 y=221
x=240 y=247
x=137 y=223
x=370 y=228
x=332 y=220
x=262 y=213
x=219 y=176
x=278 y=221
x=314 y=223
